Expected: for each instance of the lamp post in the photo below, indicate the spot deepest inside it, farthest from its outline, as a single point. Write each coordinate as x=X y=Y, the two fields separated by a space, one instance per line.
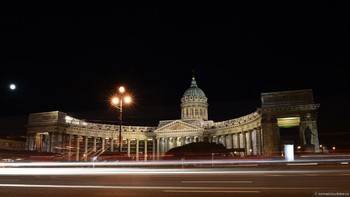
x=117 y=101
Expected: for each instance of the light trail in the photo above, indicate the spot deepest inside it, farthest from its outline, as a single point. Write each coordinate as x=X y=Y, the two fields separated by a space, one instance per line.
x=154 y=171
x=165 y=188
x=210 y=191
x=228 y=162
x=302 y=164
x=216 y=181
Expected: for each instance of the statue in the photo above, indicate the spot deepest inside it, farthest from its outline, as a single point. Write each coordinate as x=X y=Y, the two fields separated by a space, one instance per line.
x=307 y=134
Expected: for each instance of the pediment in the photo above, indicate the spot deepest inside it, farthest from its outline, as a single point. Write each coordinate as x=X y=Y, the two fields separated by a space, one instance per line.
x=178 y=125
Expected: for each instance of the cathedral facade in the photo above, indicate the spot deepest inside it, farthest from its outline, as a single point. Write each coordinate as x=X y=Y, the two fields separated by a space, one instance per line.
x=281 y=119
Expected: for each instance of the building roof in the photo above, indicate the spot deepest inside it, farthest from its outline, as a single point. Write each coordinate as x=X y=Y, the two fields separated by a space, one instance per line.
x=194 y=90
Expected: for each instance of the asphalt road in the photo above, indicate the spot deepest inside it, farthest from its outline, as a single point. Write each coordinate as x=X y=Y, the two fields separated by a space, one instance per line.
x=242 y=180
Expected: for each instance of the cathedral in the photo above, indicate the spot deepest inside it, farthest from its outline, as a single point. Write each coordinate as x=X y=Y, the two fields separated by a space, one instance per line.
x=281 y=119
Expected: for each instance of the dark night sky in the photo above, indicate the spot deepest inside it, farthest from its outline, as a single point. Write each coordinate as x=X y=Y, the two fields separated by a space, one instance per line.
x=71 y=57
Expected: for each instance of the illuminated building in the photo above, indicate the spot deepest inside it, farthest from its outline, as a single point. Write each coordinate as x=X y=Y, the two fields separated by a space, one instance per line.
x=281 y=119
x=12 y=143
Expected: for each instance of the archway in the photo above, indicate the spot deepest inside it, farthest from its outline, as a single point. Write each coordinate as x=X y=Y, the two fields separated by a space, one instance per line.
x=289 y=131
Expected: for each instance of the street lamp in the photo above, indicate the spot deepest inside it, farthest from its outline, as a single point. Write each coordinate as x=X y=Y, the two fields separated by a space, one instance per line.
x=117 y=101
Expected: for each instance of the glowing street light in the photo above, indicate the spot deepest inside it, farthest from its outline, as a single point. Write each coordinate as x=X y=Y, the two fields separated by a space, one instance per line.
x=118 y=101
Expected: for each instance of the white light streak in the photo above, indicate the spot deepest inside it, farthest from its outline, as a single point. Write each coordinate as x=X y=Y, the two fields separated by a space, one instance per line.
x=151 y=171
x=210 y=191
x=171 y=164
x=302 y=164
x=166 y=188
x=217 y=182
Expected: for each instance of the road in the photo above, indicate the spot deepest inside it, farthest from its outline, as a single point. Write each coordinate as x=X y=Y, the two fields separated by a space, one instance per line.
x=304 y=179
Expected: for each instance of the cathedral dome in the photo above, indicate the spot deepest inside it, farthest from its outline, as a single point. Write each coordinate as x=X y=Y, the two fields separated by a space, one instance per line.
x=194 y=91
x=194 y=103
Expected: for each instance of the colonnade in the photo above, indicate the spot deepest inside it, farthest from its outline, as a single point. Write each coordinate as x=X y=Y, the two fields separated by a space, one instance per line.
x=164 y=144
x=81 y=148
x=251 y=141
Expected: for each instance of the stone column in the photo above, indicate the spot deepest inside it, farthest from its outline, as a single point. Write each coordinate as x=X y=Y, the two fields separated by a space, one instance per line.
x=170 y=143
x=161 y=146
x=54 y=143
x=37 y=142
x=42 y=143
x=248 y=142
x=94 y=148
x=47 y=143
x=128 y=142
x=261 y=140
x=233 y=140
x=158 y=146
x=51 y=142
x=86 y=148
x=63 y=142
x=103 y=140
x=257 y=136
x=112 y=144
x=166 y=145
x=49 y=147
x=78 y=148
x=224 y=141
x=243 y=142
x=254 y=142
x=69 y=146
x=57 y=143
x=228 y=141
x=237 y=141
x=153 y=150
x=30 y=141
x=176 y=140
x=137 y=149
x=145 y=150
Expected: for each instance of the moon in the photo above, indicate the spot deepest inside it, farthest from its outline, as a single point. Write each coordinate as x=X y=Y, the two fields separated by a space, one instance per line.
x=12 y=86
